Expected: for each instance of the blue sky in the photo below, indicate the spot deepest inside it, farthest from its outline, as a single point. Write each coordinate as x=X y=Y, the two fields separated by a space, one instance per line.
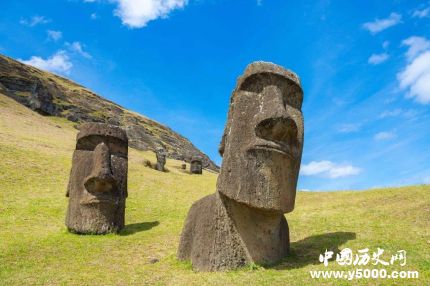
x=364 y=65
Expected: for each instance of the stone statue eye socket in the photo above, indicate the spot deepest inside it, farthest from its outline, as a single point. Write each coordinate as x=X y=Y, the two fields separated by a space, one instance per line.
x=292 y=96
x=119 y=150
x=292 y=93
x=116 y=147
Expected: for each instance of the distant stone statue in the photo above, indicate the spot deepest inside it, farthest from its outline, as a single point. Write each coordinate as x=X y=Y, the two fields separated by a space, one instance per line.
x=196 y=166
x=243 y=222
x=97 y=187
x=160 y=153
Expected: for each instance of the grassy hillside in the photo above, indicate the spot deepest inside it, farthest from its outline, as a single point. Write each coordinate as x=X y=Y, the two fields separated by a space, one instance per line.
x=36 y=249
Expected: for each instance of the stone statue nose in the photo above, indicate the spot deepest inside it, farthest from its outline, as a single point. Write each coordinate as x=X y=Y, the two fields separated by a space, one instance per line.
x=101 y=178
x=278 y=129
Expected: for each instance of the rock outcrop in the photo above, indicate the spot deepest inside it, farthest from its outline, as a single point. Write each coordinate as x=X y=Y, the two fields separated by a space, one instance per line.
x=54 y=95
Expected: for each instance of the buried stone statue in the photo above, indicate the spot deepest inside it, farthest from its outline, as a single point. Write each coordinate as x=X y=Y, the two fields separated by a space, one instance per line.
x=160 y=154
x=196 y=165
x=243 y=222
x=98 y=180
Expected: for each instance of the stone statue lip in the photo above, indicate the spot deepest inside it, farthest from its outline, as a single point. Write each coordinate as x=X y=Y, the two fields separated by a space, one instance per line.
x=99 y=200
x=271 y=146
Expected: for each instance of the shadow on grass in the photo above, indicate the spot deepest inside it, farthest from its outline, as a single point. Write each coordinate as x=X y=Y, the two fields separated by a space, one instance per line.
x=306 y=252
x=130 y=229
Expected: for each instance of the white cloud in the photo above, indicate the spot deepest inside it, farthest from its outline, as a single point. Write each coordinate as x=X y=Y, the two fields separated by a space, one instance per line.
x=328 y=169
x=94 y=16
x=416 y=45
x=54 y=35
x=421 y=13
x=384 y=136
x=377 y=59
x=381 y=24
x=416 y=78
x=77 y=48
x=406 y=113
x=410 y=114
x=314 y=168
x=417 y=68
x=137 y=13
x=391 y=113
x=57 y=63
x=349 y=128
x=385 y=44
x=35 y=20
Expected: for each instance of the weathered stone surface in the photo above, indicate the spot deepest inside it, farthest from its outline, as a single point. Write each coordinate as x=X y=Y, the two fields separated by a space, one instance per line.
x=220 y=234
x=196 y=166
x=53 y=95
x=97 y=187
x=243 y=222
x=161 y=159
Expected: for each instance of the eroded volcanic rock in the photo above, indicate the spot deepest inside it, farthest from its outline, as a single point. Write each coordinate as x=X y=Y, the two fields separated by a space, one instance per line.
x=53 y=95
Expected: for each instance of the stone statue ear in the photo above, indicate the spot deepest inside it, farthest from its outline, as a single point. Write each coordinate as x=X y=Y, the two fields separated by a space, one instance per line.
x=68 y=188
x=222 y=145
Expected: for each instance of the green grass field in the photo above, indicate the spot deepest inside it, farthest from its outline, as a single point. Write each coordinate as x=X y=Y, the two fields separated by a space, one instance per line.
x=36 y=249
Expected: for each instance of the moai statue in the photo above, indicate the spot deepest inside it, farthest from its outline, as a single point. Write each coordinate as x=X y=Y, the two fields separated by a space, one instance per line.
x=244 y=222
x=98 y=180
x=196 y=165
x=160 y=153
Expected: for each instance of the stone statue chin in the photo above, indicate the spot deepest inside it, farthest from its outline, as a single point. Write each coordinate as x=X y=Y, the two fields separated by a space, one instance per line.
x=97 y=187
x=243 y=222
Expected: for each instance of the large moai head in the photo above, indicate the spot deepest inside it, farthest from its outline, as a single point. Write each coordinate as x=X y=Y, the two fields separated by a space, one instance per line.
x=97 y=187
x=196 y=165
x=160 y=153
x=263 y=139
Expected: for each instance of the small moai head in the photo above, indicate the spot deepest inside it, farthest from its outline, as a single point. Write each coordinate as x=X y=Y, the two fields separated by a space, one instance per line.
x=196 y=166
x=160 y=153
x=97 y=187
x=263 y=139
